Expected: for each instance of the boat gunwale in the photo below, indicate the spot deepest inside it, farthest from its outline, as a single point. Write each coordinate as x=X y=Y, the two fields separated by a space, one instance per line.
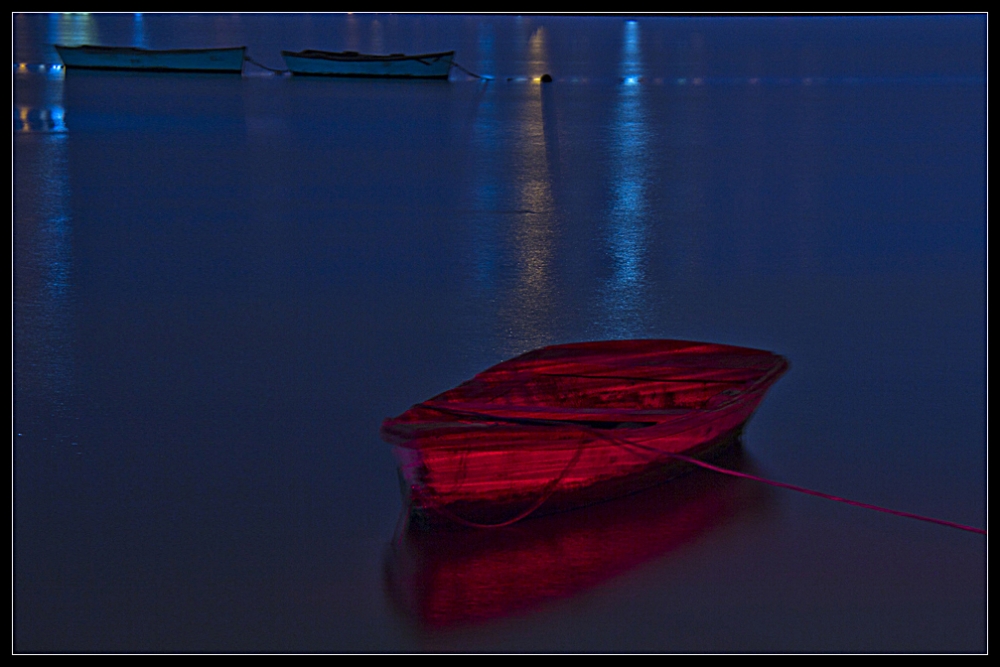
x=427 y=435
x=415 y=434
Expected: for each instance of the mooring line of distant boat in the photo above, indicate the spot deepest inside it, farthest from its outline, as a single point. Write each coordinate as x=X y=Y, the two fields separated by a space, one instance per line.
x=309 y=62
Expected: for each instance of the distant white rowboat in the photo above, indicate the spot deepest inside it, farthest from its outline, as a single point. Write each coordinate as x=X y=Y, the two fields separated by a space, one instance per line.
x=228 y=60
x=354 y=64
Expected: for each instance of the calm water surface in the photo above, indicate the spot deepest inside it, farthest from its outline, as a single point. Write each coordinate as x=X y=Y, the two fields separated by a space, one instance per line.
x=223 y=284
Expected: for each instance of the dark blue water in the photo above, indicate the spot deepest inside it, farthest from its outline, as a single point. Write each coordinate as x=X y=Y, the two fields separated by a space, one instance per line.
x=223 y=284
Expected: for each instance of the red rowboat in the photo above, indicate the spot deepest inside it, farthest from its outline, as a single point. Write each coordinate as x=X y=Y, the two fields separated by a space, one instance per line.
x=569 y=425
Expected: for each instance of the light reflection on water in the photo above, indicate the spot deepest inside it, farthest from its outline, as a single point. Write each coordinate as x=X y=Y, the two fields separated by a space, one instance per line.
x=377 y=39
x=528 y=310
x=485 y=186
x=625 y=293
x=353 y=37
x=139 y=32
x=489 y=220
x=43 y=322
x=449 y=579
x=44 y=112
x=538 y=61
x=246 y=305
x=73 y=29
x=485 y=43
x=45 y=119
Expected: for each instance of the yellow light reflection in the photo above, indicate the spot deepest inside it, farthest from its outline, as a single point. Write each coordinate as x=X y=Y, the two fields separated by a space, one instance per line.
x=40 y=119
x=528 y=310
x=538 y=54
x=73 y=29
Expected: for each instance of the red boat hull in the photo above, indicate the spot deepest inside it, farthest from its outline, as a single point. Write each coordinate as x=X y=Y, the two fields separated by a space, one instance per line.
x=570 y=425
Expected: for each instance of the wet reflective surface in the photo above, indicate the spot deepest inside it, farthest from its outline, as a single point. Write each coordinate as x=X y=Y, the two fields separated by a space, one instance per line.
x=447 y=579
x=223 y=284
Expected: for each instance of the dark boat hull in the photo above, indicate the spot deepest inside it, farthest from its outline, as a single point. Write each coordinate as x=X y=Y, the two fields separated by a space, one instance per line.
x=215 y=61
x=361 y=66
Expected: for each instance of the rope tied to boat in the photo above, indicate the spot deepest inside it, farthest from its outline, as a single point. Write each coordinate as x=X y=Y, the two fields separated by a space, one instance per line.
x=471 y=73
x=263 y=66
x=617 y=439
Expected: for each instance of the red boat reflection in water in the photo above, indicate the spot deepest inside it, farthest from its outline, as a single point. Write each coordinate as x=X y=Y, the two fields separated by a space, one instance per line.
x=448 y=579
x=569 y=425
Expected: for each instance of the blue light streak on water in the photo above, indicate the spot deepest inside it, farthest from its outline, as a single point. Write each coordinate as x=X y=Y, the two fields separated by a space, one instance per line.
x=45 y=329
x=625 y=291
x=487 y=65
x=139 y=32
x=486 y=138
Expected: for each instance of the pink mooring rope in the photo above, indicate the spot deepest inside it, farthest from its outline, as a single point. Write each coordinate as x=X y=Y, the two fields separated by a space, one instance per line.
x=681 y=457
x=800 y=489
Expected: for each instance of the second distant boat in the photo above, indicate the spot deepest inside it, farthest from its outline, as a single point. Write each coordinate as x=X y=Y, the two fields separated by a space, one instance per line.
x=354 y=64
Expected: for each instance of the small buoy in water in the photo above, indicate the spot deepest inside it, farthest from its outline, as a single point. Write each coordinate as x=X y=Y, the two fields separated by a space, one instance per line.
x=546 y=78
